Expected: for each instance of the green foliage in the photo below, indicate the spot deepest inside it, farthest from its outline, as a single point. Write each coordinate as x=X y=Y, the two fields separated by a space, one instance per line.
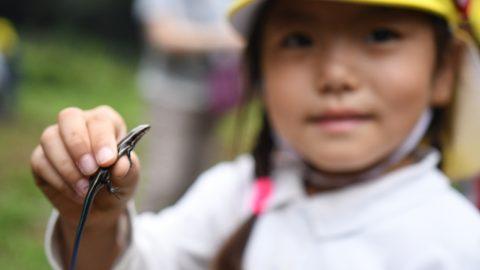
x=68 y=71
x=58 y=70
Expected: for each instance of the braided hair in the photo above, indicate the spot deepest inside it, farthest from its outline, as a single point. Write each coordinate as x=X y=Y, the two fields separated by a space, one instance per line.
x=231 y=253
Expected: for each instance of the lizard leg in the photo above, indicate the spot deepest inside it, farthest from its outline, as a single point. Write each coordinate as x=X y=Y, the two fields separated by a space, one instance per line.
x=113 y=190
x=129 y=156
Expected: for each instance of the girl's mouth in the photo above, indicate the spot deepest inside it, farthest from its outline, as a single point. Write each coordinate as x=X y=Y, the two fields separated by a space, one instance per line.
x=340 y=121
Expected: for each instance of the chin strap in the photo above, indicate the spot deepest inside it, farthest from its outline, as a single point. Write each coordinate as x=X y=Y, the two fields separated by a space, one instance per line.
x=318 y=179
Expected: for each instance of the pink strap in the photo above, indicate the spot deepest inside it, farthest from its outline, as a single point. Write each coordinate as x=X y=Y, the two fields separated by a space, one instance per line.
x=464 y=7
x=262 y=190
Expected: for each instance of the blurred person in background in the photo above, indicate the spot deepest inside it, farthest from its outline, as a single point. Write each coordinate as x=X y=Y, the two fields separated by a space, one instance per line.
x=186 y=74
x=8 y=69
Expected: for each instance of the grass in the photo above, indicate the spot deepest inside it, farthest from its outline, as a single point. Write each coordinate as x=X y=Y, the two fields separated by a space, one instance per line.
x=58 y=70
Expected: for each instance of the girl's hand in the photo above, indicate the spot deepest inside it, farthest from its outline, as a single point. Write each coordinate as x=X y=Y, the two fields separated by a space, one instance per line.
x=71 y=151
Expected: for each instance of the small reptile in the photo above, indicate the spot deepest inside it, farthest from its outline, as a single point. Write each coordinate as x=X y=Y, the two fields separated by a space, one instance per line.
x=102 y=179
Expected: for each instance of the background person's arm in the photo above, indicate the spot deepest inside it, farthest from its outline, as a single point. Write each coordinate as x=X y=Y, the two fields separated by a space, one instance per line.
x=174 y=35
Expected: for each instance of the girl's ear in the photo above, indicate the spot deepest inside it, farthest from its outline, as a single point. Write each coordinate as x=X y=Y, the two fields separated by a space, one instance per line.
x=445 y=76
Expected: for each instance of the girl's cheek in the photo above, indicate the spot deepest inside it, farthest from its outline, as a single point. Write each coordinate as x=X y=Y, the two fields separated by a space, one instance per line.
x=403 y=81
x=286 y=80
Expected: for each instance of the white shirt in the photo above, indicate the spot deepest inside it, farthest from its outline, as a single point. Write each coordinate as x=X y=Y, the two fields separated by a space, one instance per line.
x=410 y=219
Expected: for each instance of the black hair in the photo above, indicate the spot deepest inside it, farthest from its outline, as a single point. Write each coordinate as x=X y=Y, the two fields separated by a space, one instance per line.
x=438 y=131
x=231 y=253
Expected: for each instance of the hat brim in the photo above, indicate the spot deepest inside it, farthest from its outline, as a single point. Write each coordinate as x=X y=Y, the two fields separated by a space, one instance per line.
x=475 y=19
x=243 y=12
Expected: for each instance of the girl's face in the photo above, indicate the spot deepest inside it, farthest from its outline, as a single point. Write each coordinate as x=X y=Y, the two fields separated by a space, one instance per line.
x=345 y=84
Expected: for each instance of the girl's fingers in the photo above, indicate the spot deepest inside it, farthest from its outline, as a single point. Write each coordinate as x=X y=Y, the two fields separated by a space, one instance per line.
x=114 y=116
x=122 y=169
x=56 y=153
x=102 y=135
x=47 y=178
x=73 y=130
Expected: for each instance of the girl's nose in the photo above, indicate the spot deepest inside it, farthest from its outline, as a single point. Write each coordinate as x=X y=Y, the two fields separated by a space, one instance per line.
x=335 y=73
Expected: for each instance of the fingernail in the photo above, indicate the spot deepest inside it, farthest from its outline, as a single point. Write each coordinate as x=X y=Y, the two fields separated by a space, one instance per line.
x=87 y=164
x=105 y=154
x=81 y=187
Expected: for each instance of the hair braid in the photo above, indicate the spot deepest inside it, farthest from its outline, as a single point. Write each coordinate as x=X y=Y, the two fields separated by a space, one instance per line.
x=231 y=254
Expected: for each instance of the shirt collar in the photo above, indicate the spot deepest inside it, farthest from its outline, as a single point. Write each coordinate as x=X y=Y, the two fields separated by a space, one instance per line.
x=348 y=209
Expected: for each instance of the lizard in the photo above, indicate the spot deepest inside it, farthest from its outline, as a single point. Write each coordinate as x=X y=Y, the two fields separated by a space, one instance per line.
x=102 y=179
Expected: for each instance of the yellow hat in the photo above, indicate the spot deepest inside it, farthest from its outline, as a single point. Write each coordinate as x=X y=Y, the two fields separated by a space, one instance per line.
x=462 y=154
x=242 y=11
x=474 y=17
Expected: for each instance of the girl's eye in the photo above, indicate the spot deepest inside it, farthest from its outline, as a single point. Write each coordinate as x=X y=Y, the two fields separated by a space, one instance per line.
x=382 y=35
x=297 y=40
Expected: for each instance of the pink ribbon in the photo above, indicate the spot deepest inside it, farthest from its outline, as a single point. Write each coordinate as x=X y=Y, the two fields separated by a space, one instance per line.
x=262 y=190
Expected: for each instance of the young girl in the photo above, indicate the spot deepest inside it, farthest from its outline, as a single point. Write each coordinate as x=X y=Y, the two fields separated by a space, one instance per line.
x=344 y=173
